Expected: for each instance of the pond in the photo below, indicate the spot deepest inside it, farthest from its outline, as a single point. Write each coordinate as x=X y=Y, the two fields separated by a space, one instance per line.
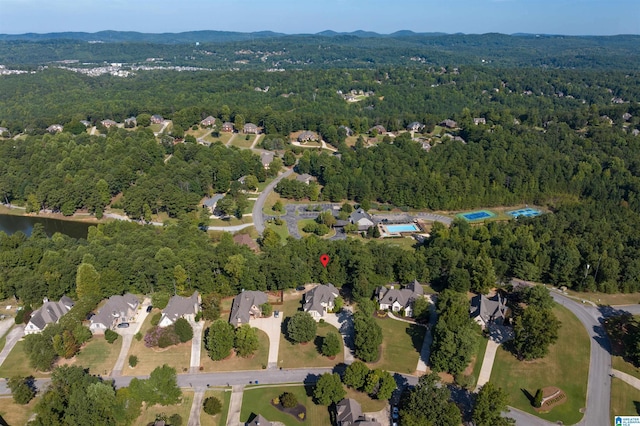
x=11 y=224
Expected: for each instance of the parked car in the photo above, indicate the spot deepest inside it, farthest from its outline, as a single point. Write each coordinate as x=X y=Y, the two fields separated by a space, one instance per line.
x=149 y=308
x=276 y=314
x=394 y=413
x=123 y=325
x=300 y=288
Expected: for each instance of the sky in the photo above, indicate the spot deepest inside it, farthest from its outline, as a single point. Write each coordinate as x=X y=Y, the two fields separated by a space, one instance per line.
x=569 y=17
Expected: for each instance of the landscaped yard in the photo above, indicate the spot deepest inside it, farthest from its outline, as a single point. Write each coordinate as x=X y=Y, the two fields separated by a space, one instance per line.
x=368 y=404
x=98 y=355
x=178 y=356
x=566 y=367
x=625 y=399
x=232 y=221
x=258 y=401
x=476 y=364
x=183 y=408
x=17 y=364
x=241 y=141
x=281 y=230
x=224 y=138
x=221 y=418
x=308 y=355
x=401 y=345
x=236 y=363
x=618 y=363
x=15 y=414
x=304 y=222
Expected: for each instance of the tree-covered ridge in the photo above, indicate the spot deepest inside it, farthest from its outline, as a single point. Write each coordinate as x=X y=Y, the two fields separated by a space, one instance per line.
x=361 y=50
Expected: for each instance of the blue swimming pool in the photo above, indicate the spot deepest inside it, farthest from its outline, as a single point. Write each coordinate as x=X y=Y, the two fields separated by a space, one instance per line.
x=527 y=212
x=405 y=227
x=477 y=215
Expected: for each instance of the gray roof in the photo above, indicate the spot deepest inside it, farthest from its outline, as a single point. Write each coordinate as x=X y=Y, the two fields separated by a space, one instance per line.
x=488 y=309
x=250 y=126
x=116 y=306
x=242 y=305
x=448 y=123
x=179 y=306
x=415 y=126
x=212 y=201
x=259 y=420
x=314 y=298
x=305 y=177
x=348 y=412
x=308 y=135
x=403 y=296
x=359 y=214
x=209 y=119
x=51 y=312
x=266 y=158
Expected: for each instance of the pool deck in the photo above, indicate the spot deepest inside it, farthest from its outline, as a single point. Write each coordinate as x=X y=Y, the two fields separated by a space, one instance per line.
x=386 y=233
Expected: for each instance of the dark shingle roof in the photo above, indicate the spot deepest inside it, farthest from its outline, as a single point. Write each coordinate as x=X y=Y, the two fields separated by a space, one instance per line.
x=179 y=306
x=51 y=312
x=314 y=298
x=242 y=303
x=116 y=306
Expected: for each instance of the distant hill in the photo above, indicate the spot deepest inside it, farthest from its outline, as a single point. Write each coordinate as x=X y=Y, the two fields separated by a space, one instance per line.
x=132 y=36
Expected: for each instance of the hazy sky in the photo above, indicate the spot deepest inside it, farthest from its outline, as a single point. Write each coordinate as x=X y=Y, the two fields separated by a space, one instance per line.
x=572 y=17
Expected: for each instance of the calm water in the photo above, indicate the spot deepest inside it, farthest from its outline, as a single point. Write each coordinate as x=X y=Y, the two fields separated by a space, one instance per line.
x=11 y=224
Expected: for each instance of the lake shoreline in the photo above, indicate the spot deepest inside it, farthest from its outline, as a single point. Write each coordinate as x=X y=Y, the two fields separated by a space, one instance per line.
x=76 y=217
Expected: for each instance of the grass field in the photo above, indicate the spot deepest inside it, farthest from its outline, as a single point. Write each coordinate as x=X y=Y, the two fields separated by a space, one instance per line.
x=198 y=133
x=224 y=138
x=281 y=230
x=368 y=404
x=241 y=141
x=625 y=399
x=178 y=356
x=98 y=355
x=258 y=400
x=17 y=364
x=15 y=414
x=232 y=221
x=566 y=366
x=618 y=363
x=236 y=363
x=607 y=299
x=401 y=344
x=219 y=419
x=183 y=408
x=270 y=201
x=155 y=128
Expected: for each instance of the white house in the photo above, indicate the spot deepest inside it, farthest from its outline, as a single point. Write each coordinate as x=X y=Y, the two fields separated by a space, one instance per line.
x=49 y=313
x=320 y=299
x=393 y=299
x=180 y=307
x=118 y=309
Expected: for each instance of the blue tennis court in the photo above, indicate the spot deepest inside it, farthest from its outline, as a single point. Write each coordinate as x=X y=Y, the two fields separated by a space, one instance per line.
x=528 y=212
x=477 y=215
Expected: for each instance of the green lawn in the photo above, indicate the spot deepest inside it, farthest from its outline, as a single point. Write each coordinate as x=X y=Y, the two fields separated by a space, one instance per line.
x=241 y=141
x=293 y=355
x=221 y=418
x=13 y=413
x=566 y=366
x=281 y=230
x=156 y=127
x=477 y=361
x=368 y=404
x=625 y=399
x=183 y=408
x=232 y=221
x=619 y=363
x=401 y=344
x=258 y=401
x=98 y=355
x=236 y=363
x=17 y=364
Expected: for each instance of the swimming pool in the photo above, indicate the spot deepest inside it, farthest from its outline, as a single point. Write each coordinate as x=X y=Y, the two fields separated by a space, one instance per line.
x=404 y=227
x=477 y=215
x=527 y=212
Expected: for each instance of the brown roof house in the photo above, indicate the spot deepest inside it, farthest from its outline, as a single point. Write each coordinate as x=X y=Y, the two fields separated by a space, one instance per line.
x=479 y=120
x=108 y=123
x=259 y=420
x=486 y=310
x=320 y=299
x=308 y=136
x=266 y=158
x=379 y=128
x=349 y=413
x=245 y=240
x=209 y=121
x=118 y=309
x=180 y=307
x=396 y=300
x=49 y=313
x=156 y=119
x=247 y=305
x=227 y=126
x=450 y=124
x=55 y=128
x=250 y=128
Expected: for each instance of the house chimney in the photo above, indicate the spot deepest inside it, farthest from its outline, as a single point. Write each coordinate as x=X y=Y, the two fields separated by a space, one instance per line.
x=45 y=300
x=392 y=286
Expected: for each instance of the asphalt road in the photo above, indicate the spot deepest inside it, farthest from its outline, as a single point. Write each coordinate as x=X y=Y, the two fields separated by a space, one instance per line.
x=258 y=219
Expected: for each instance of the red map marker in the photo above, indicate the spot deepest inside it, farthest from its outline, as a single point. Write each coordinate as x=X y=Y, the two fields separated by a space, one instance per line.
x=324 y=259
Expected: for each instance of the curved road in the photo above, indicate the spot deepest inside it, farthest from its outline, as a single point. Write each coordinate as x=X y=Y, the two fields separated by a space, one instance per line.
x=258 y=219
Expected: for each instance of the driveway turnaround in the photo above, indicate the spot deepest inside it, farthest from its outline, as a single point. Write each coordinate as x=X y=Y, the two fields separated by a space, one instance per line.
x=196 y=344
x=127 y=337
x=194 y=415
x=12 y=338
x=272 y=326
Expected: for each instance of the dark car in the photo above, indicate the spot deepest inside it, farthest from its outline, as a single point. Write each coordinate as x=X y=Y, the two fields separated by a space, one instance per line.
x=123 y=325
x=300 y=288
x=149 y=308
x=394 y=413
x=276 y=314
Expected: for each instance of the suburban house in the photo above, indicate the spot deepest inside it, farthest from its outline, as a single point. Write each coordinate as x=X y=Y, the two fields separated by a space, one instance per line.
x=347 y=130
x=259 y=420
x=362 y=219
x=118 y=309
x=250 y=128
x=49 y=313
x=130 y=122
x=349 y=413
x=305 y=178
x=227 y=126
x=55 y=128
x=245 y=240
x=156 y=119
x=479 y=120
x=379 y=128
x=86 y=123
x=211 y=202
x=487 y=310
x=209 y=121
x=266 y=158
x=394 y=299
x=308 y=136
x=320 y=299
x=180 y=307
x=415 y=127
x=247 y=305
x=449 y=124
x=108 y=123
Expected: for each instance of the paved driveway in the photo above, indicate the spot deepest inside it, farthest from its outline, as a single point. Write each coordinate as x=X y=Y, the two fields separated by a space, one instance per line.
x=272 y=326
x=127 y=336
x=12 y=338
x=196 y=345
x=343 y=321
x=5 y=325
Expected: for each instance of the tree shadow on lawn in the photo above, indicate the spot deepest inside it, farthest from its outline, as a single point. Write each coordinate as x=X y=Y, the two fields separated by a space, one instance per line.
x=417 y=333
x=528 y=395
x=636 y=404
